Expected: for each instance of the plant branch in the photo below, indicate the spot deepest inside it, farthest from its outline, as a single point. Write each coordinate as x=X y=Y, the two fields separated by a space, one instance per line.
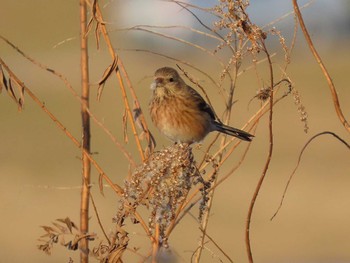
x=86 y=135
x=267 y=164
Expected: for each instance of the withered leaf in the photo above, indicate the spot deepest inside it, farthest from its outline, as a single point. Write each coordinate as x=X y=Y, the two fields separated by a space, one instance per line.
x=49 y=229
x=61 y=228
x=105 y=76
x=100 y=183
x=3 y=81
x=10 y=91
x=46 y=248
x=116 y=255
x=71 y=245
x=70 y=224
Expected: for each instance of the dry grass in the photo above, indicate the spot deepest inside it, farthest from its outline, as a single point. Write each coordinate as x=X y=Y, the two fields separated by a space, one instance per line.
x=168 y=183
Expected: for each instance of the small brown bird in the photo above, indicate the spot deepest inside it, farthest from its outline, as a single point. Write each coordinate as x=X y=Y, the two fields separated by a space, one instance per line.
x=180 y=113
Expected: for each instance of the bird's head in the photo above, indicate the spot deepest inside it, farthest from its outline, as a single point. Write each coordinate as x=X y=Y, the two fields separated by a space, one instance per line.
x=167 y=80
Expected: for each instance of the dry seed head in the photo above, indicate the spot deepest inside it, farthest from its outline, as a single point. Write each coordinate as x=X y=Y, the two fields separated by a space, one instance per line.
x=282 y=41
x=161 y=184
x=301 y=109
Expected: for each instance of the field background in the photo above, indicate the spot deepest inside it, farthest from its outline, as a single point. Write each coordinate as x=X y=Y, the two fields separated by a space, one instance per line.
x=40 y=168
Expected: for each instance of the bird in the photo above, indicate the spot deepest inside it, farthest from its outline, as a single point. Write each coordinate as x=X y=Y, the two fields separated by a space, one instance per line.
x=180 y=112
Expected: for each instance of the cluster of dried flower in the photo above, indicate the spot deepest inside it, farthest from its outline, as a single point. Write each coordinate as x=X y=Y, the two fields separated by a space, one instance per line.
x=65 y=232
x=301 y=109
x=161 y=184
x=234 y=17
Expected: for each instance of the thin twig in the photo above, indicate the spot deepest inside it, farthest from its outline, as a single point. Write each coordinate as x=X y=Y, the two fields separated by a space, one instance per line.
x=218 y=247
x=99 y=219
x=138 y=27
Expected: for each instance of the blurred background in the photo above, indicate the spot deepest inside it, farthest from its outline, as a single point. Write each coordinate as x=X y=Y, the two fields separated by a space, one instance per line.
x=40 y=169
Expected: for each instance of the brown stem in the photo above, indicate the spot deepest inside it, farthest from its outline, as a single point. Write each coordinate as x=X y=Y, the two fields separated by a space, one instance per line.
x=121 y=69
x=156 y=243
x=322 y=66
x=267 y=164
x=86 y=164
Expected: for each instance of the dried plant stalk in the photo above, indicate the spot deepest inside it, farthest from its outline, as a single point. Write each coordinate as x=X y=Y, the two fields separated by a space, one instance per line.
x=169 y=182
x=86 y=165
x=322 y=66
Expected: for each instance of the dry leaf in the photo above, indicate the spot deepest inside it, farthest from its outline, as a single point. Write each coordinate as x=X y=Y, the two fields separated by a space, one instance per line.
x=105 y=76
x=125 y=126
x=100 y=183
x=48 y=229
x=116 y=255
x=68 y=223
x=10 y=91
x=3 y=81
x=62 y=229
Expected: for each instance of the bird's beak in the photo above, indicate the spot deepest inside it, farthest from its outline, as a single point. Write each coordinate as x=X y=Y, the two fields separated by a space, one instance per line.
x=156 y=83
x=153 y=85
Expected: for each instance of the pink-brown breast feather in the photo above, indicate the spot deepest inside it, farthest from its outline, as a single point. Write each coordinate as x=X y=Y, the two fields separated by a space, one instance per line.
x=179 y=118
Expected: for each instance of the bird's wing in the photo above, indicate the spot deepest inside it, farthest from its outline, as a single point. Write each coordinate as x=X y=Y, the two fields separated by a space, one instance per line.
x=201 y=103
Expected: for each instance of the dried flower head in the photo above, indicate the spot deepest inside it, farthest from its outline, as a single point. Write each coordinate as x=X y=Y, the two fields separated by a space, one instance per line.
x=234 y=17
x=161 y=184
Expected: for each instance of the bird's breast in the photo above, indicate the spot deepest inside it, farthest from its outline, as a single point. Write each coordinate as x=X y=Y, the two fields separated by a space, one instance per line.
x=178 y=118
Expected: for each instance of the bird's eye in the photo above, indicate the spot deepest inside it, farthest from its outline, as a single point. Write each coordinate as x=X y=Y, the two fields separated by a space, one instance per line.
x=171 y=79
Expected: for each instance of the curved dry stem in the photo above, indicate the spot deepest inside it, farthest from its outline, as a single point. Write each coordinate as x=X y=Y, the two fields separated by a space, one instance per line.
x=218 y=247
x=186 y=5
x=142 y=28
x=267 y=164
x=322 y=66
x=201 y=48
x=99 y=219
x=173 y=59
x=298 y=163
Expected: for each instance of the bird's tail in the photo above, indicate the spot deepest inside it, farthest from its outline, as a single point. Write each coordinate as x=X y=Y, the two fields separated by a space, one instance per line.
x=220 y=127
